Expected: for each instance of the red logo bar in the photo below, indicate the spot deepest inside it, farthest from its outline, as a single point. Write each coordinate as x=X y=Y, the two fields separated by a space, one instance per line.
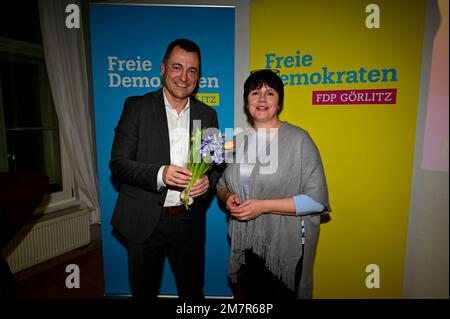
x=337 y=97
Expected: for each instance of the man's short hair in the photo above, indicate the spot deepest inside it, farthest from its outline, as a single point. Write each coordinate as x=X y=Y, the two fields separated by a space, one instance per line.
x=186 y=45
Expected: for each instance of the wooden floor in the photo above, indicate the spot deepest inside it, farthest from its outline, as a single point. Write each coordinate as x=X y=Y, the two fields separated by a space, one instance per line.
x=48 y=280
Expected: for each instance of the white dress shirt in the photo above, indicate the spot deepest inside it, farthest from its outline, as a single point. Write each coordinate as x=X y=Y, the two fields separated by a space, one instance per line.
x=178 y=125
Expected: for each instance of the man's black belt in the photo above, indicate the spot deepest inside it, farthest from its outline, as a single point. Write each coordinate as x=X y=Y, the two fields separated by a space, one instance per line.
x=174 y=210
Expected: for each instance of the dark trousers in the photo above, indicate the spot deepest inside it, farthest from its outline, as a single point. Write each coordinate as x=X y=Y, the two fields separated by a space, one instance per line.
x=257 y=282
x=182 y=239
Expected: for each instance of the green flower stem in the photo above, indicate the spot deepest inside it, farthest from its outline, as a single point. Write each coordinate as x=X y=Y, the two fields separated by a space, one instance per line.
x=198 y=170
x=197 y=165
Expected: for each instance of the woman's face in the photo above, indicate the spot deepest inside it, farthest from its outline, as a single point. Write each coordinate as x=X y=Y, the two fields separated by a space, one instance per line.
x=263 y=104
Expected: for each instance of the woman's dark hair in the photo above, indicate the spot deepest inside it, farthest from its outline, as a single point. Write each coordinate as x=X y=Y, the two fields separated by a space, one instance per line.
x=186 y=45
x=257 y=79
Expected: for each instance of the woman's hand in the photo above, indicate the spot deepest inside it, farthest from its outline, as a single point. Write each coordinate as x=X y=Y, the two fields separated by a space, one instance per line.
x=248 y=210
x=233 y=201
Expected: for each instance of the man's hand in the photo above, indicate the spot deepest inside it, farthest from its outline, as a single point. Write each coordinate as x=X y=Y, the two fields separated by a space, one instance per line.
x=176 y=176
x=200 y=187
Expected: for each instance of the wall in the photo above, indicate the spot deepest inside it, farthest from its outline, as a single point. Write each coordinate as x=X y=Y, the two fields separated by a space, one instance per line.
x=426 y=263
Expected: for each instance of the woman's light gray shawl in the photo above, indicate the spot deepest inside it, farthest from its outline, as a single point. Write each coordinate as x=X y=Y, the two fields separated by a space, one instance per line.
x=277 y=238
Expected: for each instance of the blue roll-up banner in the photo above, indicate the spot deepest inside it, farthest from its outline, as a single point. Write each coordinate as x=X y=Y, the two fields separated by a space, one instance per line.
x=128 y=43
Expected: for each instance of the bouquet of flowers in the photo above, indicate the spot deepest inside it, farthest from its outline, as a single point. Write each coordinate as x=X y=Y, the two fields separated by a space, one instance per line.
x=203 y=155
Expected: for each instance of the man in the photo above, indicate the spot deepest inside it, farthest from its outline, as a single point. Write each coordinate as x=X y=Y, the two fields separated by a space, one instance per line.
x=150 y=148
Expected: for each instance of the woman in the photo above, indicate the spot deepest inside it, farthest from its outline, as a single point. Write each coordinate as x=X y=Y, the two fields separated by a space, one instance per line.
x=275 y=213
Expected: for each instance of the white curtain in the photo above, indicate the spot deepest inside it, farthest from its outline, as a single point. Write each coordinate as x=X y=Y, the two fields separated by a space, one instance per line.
x=65 y=57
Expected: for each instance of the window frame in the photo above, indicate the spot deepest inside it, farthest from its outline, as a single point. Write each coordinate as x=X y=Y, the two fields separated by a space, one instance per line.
x=69 y=195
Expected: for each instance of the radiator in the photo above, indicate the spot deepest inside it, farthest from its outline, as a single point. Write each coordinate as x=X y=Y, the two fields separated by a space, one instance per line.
x=47 y=238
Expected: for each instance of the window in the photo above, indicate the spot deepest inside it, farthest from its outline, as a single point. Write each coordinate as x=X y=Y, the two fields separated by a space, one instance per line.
x=29 y=132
